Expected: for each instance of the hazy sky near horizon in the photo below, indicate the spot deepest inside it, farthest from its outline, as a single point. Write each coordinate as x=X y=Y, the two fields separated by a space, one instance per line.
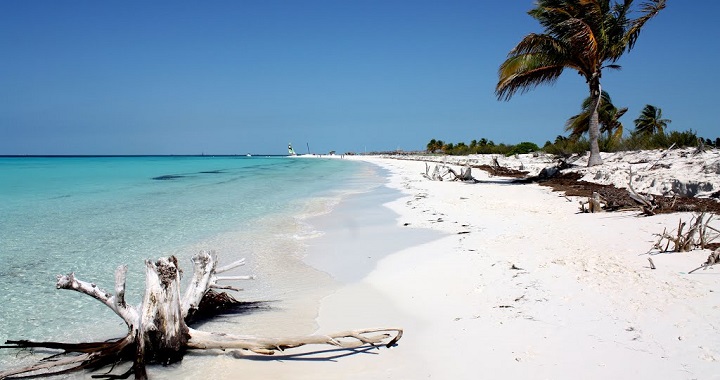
x=236 y=77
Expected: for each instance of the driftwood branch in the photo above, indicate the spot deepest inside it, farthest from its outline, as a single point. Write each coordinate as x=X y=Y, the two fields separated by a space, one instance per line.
x=646 y=202
x=268 y=346
x=437 y=172
x=115 y=302
x=234 y=278
x=230 y=266
x=700 y=148
x=713 y=259
x=695 y=237
x=661 y=157
x=50 y=366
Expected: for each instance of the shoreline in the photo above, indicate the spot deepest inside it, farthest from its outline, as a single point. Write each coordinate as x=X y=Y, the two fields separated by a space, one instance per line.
x=360 y=231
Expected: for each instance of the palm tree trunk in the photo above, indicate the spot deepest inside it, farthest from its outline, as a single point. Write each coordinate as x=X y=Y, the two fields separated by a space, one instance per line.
x=595 y=92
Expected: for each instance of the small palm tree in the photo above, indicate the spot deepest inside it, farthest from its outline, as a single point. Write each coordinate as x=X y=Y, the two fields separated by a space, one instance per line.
x=610 y=121
x=608 y=118
x=651 y=121
x=432 y=146
x=583 y=35
x=435 y=145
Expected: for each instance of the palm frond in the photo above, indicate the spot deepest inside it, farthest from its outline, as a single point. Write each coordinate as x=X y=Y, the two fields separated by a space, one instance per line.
x=536 y=43
x=524 y=72
x=578 y=34
x=621 y=112
x=615 y=25
x=578 y=124
x=649 y=10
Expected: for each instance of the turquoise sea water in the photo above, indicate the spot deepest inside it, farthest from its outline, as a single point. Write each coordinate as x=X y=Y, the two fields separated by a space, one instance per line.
x=90 y=214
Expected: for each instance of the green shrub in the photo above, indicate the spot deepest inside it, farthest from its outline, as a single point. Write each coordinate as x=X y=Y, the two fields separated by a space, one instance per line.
x=566 y=147
x=522 y=148
x=639 y=141
x=683 y=139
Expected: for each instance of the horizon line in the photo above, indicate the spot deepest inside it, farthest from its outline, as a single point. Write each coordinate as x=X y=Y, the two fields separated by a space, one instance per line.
x=133 y=155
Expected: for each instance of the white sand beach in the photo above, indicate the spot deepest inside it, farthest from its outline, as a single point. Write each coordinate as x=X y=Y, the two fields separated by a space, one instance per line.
x=512 y=283
x=583 y=302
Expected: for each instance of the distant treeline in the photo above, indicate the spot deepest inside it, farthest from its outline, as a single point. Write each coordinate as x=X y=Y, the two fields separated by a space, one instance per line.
x=568 y=145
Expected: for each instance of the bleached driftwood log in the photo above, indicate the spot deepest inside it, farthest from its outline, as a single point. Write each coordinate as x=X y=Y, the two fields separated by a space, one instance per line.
x=440 y=171
x=713 y=259
x=268 y=346
x=437 y=172
x=698 y=235
x=646 y=202
x=594 y=203
x=159 y=328
x=465 y=174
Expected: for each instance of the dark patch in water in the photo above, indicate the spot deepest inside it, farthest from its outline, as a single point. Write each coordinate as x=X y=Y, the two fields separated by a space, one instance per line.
x=168 y=177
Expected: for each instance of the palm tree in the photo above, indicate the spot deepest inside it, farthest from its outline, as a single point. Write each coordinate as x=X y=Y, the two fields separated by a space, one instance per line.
x=432 y=146
x=584 y=35
x=651 y=121
x=435 y=145
x=608 y=118
x=610 y=121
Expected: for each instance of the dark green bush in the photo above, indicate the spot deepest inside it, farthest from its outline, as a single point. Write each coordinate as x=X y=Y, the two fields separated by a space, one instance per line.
x=522 y=148
x=638 y=141
x=566 y=147
x=683 y=139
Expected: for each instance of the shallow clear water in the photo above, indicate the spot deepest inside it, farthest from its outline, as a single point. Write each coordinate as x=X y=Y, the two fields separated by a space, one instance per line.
x=90 y=214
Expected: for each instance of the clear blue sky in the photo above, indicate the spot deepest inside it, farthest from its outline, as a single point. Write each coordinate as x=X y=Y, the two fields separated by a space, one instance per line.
x=236 y=77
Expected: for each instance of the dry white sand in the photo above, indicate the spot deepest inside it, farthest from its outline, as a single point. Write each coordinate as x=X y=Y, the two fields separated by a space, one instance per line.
x=584 y=302
x=519 y=285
